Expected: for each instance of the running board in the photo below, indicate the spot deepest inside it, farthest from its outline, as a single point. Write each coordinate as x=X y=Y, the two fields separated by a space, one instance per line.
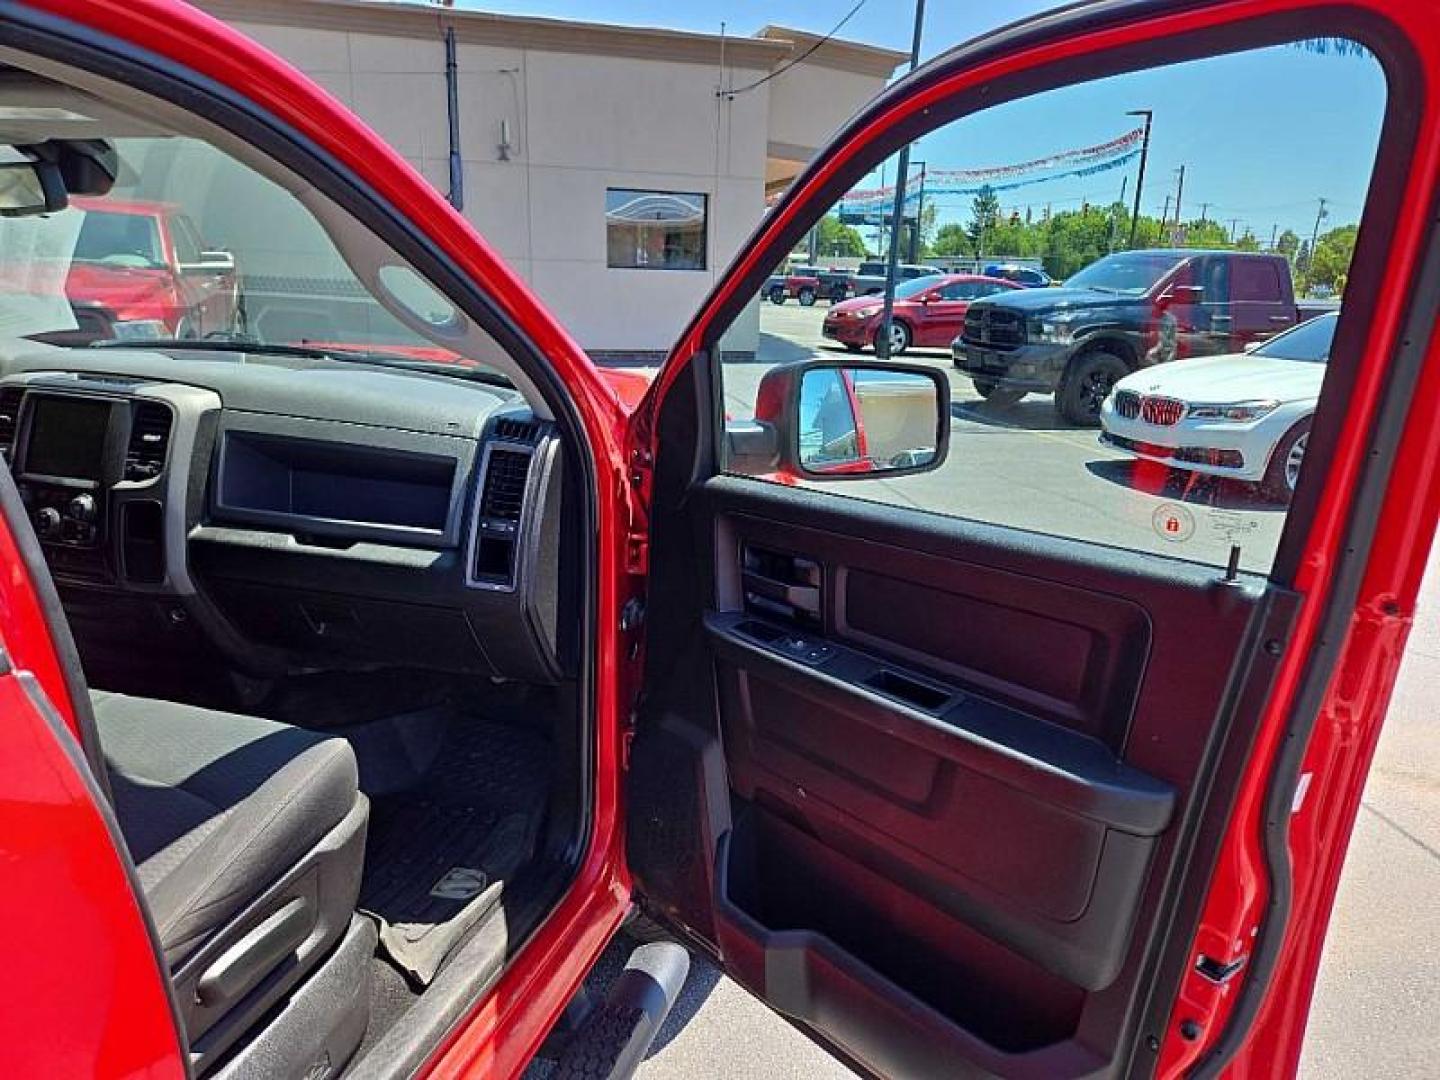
x=615 y=1038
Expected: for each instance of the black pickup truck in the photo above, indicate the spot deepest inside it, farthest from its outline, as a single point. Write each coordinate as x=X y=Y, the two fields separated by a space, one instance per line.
x=1121 y=313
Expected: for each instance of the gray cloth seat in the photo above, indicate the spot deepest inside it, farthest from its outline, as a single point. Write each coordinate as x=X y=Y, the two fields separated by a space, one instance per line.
x=216 y=806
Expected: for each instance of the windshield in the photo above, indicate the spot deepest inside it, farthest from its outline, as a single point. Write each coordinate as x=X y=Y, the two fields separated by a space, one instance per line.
x=114 y=239
x=246 y=262
x=915 y=286
x=1308 y=342
x=1131 y=273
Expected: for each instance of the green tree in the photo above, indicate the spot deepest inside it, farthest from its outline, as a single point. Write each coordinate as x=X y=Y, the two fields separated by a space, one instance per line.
x=1331 y=262
x=950 y=240
x=984 y=216
x=1288 y=244
x=1247 y=242
x=837 y=240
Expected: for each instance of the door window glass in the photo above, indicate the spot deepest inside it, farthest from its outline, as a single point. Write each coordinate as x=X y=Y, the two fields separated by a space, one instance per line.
x=1123 y=402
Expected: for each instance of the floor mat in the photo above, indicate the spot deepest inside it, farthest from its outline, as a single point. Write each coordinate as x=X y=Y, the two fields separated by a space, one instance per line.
x=437 y=859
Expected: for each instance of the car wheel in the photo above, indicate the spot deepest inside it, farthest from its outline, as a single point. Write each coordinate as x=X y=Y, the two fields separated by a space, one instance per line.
x=995 y=395
x=1086 y=385
x=1285 y=462
x=777 y=295
x=837 y=294
x=899 y=338
x=806 y=297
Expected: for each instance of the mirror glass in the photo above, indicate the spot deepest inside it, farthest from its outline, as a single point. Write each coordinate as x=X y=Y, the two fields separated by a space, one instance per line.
x=866 y=420
x=21 y=191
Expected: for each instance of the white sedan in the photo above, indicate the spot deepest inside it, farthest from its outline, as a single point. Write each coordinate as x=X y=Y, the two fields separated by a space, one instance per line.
x=1245 y=416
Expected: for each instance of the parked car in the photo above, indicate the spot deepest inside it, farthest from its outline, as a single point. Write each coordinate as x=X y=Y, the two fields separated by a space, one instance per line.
x=1031 y=277
x=140 y=270
x=1121 y=313
x=928 y=313
x=1245 y=416
x=808 y=284
x=870 y=276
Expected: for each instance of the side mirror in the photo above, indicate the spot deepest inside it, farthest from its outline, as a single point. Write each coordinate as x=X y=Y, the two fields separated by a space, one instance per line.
x=211 y=262
x=31 y=187
x=823 y=420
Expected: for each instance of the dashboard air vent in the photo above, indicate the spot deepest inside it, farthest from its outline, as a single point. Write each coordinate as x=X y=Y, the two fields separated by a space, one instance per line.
x=504 y=485
x=511 y=430
x=149 y=439
x=9 y=418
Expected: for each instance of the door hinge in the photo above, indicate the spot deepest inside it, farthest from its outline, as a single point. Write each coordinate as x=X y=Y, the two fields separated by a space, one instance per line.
x=635 y=490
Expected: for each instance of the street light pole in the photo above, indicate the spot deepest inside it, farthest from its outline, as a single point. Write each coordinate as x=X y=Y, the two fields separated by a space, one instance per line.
x=919 y=217
x=902 y=174
x=1140 y=179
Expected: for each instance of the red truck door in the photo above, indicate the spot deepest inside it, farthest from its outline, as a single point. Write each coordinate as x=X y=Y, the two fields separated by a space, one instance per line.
x=974 y=797
x=1261 y=303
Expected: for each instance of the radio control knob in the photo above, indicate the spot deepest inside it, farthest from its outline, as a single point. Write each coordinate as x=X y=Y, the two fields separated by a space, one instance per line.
x=47 y=521
x=81 y=508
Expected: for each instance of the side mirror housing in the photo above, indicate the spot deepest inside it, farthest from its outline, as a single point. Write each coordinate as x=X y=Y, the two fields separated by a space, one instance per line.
x=211 y=262
x=826 y=420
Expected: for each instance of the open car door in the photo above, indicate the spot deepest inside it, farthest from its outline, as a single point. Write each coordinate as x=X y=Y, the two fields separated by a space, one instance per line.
x=986 y=771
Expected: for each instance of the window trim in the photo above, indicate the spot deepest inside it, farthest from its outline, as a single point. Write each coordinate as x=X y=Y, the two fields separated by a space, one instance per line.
x=703 y=196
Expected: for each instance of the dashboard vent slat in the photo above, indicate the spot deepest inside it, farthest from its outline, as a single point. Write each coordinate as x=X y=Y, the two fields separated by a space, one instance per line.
x=521 y=431
x=504 y=492
x=149 y=441
x=9 y=419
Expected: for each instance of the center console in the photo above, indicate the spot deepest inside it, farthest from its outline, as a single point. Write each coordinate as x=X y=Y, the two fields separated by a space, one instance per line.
x=91 y=458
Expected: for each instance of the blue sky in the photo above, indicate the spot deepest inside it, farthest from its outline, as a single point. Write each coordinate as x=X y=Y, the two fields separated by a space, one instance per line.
x=1262 y=134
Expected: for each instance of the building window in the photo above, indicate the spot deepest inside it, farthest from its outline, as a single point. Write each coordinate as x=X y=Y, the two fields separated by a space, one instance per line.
x=654 y=230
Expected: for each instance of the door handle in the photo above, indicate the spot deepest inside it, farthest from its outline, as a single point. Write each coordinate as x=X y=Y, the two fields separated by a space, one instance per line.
x=804 y=598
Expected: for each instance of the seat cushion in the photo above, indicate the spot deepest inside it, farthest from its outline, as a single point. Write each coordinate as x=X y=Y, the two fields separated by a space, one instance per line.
x=216 y=806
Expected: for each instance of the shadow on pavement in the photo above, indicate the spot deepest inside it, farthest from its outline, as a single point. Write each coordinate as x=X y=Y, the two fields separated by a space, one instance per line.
x=1152 y=478
x=699 y=982
x=1029 y=414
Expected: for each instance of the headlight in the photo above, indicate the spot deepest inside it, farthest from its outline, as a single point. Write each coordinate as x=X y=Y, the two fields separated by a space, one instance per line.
x=139 y=329
x=1237 y=412
x=1057 y=330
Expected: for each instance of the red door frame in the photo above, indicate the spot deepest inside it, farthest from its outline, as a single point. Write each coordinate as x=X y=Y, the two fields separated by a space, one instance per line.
x=1341 y=741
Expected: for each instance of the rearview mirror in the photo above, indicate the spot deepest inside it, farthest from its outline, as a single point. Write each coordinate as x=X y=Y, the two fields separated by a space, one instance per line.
x=820 y=420
x=31 y=187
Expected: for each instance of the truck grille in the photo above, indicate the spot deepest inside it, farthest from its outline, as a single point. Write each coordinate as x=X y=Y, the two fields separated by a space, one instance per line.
x=1127 y=404
x=994 y=328
x=1161 y=411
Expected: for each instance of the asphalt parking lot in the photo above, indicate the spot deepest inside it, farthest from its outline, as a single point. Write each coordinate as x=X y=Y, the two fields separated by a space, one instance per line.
x=1024 y=466
x=1379 y=986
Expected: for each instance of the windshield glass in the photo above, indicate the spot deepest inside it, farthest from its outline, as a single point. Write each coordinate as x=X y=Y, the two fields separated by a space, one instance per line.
x=1131 y=273
x=192 y=244
x=1308 y=342
x=915 y=286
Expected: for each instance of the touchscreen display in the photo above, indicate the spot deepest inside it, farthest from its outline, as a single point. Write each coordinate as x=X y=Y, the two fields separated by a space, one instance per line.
x=67 y=437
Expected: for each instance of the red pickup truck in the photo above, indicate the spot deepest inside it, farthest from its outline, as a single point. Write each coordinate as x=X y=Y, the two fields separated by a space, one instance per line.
x=139 y=270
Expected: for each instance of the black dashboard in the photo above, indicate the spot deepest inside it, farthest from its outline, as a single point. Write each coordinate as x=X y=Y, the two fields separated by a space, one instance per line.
x=296 y=514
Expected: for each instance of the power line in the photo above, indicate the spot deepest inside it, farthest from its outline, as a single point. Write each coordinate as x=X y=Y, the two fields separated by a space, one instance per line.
x=730 y=94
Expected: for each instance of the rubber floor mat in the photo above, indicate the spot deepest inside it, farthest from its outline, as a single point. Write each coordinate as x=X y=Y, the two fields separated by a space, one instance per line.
x=438 y=857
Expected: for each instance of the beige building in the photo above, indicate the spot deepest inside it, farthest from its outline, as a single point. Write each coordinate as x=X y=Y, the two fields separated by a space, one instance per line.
x=600 y=160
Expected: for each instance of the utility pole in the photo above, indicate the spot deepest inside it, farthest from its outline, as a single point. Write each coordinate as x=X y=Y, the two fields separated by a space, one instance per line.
x=1275 y=228
x=1233 y=222
x=902 y=174
x=919 y=217
x=1320 y=216
x=1165 y=217
x=1204 y=212
x=1179 y=191
x=1140 y=177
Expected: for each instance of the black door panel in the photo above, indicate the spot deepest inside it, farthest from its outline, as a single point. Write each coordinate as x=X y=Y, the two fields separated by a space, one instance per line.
x=957 y=761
